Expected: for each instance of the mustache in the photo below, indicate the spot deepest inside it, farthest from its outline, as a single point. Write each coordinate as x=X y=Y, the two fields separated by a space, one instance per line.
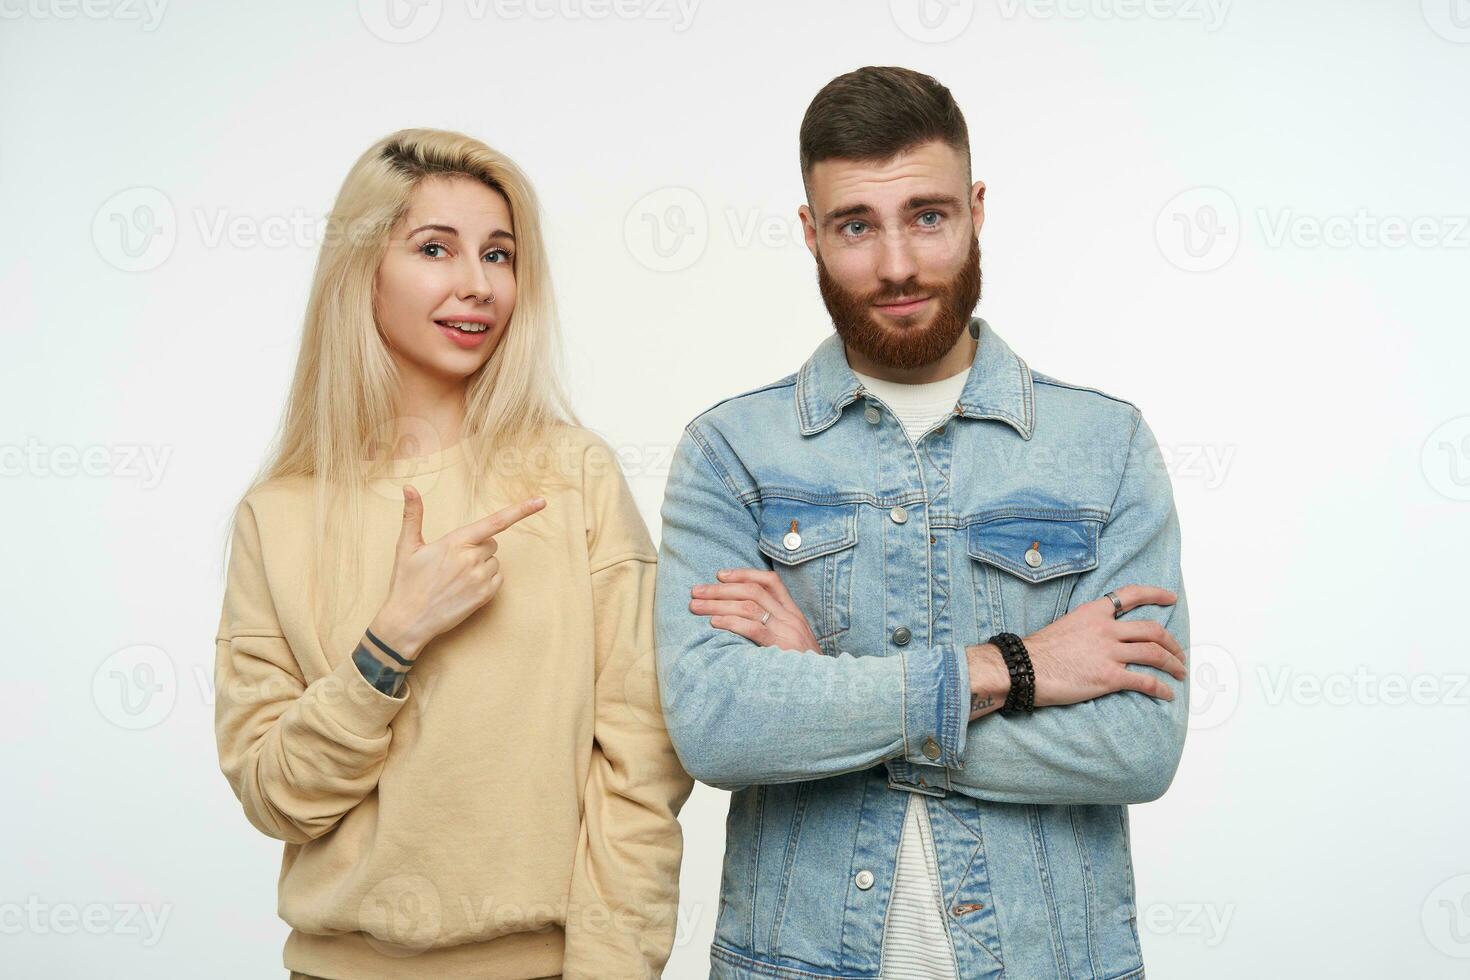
x=910 y=289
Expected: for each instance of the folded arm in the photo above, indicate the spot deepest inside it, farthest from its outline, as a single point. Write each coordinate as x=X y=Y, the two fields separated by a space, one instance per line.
x=741 y=714
x=1122 y=747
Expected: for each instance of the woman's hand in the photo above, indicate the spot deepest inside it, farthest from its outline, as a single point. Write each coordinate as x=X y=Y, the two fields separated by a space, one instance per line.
x=743 y=599
x=436 y=586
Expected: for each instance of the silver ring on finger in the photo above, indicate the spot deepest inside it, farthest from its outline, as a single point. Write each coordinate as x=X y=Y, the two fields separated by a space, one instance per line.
x=766 y=618
x=1117 y=603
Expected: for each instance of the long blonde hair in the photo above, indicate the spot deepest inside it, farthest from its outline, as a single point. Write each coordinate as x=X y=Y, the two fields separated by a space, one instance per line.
x=341 y=403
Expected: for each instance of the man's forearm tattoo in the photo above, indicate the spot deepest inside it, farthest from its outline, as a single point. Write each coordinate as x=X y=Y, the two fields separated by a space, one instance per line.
x=979 y=702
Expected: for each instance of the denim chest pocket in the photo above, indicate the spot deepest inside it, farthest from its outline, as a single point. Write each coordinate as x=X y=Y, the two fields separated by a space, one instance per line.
x=1025 y=566
x=812 y=547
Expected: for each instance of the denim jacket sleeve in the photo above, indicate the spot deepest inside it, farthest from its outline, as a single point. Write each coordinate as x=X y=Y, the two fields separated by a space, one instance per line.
x=1123 y=747
x=741 y=714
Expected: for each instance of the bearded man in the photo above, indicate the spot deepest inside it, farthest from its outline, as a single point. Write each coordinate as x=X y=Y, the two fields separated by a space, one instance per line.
x=919 y=607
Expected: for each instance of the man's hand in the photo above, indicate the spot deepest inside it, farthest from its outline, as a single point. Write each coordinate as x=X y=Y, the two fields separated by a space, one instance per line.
x=743 y=597
x=1085 y=654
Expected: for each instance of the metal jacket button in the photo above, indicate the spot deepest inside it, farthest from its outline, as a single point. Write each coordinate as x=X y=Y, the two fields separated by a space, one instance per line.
x=863 y=879
x=930 y=748
x=792 y=541
x=901 y=635
x=1033 y=556
x=899 y=515
x=871 y=414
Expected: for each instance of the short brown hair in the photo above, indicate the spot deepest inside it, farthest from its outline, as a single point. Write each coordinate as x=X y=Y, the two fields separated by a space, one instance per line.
x=874 y=114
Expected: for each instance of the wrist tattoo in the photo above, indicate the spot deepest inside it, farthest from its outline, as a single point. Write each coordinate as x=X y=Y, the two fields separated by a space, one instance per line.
x=384 y=677
x=979 y=702
x=387 y=649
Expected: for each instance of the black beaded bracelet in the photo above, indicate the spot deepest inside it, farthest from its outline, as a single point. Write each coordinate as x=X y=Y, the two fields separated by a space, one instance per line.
x=1022 y=696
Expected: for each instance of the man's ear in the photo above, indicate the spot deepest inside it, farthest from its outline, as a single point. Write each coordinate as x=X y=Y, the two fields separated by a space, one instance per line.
x=977 y=205
x=808 y=228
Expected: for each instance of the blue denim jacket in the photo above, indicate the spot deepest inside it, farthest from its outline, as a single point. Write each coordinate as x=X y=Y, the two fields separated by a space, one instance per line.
x=901 y=555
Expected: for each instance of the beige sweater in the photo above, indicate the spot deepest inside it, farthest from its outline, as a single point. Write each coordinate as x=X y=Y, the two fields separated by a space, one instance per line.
x=514 y=815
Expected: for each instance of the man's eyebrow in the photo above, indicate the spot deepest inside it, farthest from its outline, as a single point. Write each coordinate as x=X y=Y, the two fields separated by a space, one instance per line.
x=932 y=200
x=912 y=204
x=852 y=211
x=497 y=233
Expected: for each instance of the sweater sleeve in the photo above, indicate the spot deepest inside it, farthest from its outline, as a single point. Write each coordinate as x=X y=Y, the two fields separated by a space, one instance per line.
x=624 y=896
x=298 y=755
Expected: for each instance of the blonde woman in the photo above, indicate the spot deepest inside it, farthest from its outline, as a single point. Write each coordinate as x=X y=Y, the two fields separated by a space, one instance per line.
x=434 y=665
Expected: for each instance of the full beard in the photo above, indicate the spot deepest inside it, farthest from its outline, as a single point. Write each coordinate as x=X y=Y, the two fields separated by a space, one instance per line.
x=857 y=322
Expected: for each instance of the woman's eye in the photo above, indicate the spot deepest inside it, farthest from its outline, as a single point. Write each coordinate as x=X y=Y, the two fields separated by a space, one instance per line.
x=504 y=255
x=424 y=248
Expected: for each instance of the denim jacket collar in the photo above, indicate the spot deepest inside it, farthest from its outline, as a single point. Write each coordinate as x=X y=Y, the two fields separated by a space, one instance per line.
x=999 y=385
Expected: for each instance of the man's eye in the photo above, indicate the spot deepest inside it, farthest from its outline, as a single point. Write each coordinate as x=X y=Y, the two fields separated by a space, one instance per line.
x=853 y=227
x=930 y=214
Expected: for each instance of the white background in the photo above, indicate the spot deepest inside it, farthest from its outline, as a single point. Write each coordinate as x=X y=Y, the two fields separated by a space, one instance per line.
x=1249 y=218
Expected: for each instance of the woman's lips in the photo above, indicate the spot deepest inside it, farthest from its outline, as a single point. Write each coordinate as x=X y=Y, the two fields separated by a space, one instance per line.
x=903 y=309
x=461 y=338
